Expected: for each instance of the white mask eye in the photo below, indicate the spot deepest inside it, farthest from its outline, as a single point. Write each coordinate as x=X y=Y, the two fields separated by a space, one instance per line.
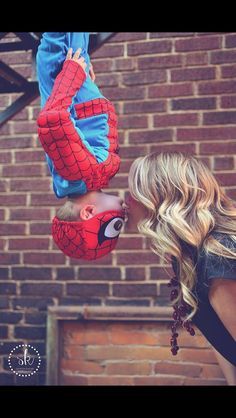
x=113 y=228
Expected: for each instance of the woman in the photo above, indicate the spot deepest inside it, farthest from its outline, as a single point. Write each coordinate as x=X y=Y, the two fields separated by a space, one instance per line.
x=177 y=203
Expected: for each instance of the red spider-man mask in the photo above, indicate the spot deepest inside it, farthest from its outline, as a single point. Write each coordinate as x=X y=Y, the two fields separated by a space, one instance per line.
x=89 y=239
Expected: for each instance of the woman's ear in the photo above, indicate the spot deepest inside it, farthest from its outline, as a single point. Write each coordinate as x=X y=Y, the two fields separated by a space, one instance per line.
x=87 y=212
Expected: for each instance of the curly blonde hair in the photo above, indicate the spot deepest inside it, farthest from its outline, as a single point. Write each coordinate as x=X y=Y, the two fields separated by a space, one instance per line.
x=184 y=205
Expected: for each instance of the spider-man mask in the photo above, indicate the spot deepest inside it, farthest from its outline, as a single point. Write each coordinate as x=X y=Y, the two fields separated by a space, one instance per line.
x=89 y=239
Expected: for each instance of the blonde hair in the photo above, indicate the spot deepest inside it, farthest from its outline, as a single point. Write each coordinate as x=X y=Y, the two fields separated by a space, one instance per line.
x=69 y=211
x=184 y=204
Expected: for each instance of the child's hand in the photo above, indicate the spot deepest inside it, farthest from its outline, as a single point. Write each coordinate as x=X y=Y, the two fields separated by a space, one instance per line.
x=91 y=73
x=76 y=57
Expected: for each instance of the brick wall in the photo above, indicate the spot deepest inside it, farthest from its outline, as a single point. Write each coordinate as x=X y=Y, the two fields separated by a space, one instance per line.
x=172 y=91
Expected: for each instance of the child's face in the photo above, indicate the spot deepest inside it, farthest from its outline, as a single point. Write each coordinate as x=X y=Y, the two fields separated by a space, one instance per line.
x=96 y=202
x=104 y=201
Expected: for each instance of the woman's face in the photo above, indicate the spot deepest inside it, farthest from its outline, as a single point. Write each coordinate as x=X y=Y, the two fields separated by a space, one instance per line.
x=136 y=212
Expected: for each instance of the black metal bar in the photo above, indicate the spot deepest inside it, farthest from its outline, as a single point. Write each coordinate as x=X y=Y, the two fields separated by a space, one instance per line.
x=14 y=46
x=98 y=39
x=29 y=38
x=20 y=103
x=2 y=34
x=12 y=76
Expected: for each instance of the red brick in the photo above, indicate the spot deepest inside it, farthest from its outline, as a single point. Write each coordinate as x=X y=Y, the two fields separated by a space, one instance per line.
x=41 y=289
x=144 y=77
x=170 y=34
x=29 y=273
x=201 y=382
x=24 y=127
x=217 y=87
x=152 y=47
x=29 y=156
x=9 y=258
x=211 y=371
x=29 y=214
x=205 y=355
x=196 y=58
x=218 y=148
x=22 y=115
x=133 y=122
x=4 y=100
x=24 y=70
x=162 y=61
x=136 y=290
x=128 y=36
x=161 y=273
x=186 y=148
x=124 y=93
x=40 y=228
x=176 y=119
x=183 y=369
x=108 y=51
x=101 y=66
x=124 y=64
x=7 y=288
x=128 y=337
x=22 y=170
x=107 y=260
x=29 y=243
x=42 y=185
x=135 y=273
x=5 y=157
x=118 y=182
x=126 y=368
x=45 y=200
x=128 y=243
x=18 y=57
x=151 y=136
x=12 y=229
x=230 y=41
x=4 y=185
x=82 y=289
x=149 y=106
x=205 y=134
x=105 y=80
x=223 y=57
x=110 y=380
x=171 y=90
x=223 y=163
x=99 y=274
x=194 y=103
x=185 y=74
x=226 y=179
x=228 y=71
x=228 y=102
x=44 y=258
x=73 y=380
x=133 y=151
x=81 y=367
x=158 y=381
x=219 y=118
x=125 y=166
x=198 y=43
x=16 y=142
x=11 y=200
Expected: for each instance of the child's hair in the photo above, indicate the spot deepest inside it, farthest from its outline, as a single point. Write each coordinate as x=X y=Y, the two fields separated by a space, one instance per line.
x=184 y=204
x=69 y=211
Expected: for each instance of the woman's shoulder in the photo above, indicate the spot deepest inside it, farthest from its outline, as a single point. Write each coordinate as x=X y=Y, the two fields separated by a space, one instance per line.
x=212 y=265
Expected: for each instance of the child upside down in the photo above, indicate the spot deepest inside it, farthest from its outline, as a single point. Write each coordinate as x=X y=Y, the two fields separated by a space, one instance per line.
x=77 y=128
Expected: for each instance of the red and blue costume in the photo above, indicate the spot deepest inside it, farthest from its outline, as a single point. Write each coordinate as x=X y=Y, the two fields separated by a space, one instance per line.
x=77 y=128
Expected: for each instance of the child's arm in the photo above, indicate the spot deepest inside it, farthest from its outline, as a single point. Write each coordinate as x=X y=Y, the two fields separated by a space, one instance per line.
x=61 y=141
